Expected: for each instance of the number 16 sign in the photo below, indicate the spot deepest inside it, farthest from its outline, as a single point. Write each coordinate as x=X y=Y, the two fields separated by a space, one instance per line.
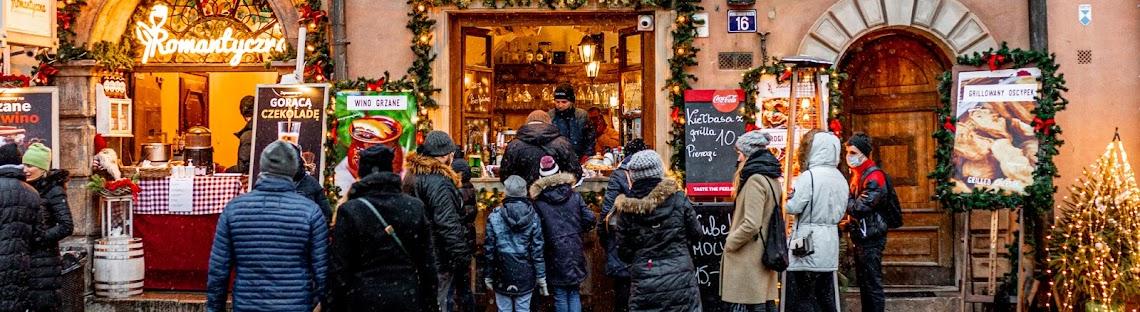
x=741 y=21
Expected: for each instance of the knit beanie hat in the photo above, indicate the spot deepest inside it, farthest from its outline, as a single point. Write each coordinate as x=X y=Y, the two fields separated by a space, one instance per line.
x=279 y=159
x=437 y=143
x=862 y=142
x=645 y=164
x=547 y=167
x=634 y=146
x=377 y=158
x=39 y=156
x=752 y=141
x=539 y=116
x=9 y=155
x=516 y=186
x=564 y=92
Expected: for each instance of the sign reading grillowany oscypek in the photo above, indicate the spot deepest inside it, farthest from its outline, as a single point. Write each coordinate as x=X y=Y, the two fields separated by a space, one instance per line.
x=712 y=124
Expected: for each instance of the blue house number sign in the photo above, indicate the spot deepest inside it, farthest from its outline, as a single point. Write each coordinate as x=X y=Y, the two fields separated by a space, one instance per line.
x=741 y=21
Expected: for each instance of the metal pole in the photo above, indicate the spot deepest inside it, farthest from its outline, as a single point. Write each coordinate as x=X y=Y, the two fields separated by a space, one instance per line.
x=340 y=40
x=1038 y=25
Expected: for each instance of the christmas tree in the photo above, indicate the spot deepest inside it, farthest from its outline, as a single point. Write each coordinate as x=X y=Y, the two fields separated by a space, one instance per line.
x=1095 y=244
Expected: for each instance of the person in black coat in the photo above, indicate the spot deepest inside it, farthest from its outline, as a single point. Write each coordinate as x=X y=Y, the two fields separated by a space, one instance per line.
x=658 y=225
x=431 y=179
x=19 y=204
x=466 y=300
x=565 y=218
x=309 y=187
x=370 y=270
x=619 y=184
x=245 y=136
x=54 y=225
x=572 y=122
x=536 y=139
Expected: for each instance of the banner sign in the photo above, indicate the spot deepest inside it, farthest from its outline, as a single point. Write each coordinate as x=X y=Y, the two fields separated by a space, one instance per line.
x=29 y=22
x=31 y=115
x=364 y=119
x=995 y=145
x=293 y=113
x=712 y=124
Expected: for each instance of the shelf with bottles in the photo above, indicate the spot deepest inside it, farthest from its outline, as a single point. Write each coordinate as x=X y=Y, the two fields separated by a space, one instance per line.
x=540 y=96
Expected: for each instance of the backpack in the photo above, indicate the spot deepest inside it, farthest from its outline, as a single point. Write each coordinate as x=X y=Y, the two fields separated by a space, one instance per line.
x=775 y=255
x=889 y=208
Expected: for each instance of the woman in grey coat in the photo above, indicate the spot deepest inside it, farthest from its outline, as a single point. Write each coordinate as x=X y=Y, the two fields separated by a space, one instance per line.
x=818 y=202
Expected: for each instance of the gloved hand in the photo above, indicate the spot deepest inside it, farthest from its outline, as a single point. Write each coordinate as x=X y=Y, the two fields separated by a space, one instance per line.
x=542 y=290
x=487 y=282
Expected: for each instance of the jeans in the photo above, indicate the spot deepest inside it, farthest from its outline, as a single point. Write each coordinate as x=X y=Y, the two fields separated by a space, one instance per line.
x=516 y=304
x=769 y=306
x=567 y=299
x=811 y=292
x=445 y=295
x=869 y=273
x=621 y=294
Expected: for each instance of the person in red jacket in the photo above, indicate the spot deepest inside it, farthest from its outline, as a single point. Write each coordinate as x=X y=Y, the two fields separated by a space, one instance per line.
x=868 y=230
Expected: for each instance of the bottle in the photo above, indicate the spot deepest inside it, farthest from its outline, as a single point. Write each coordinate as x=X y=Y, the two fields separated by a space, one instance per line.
x=529 y=53
x=540 y=55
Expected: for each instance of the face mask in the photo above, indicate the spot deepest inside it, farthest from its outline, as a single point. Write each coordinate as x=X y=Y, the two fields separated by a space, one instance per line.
x=855 y=160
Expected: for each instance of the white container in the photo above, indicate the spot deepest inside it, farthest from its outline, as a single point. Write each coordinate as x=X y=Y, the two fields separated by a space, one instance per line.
x=119 y=267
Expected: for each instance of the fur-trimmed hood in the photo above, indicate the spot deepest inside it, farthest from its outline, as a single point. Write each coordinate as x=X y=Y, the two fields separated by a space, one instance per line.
x=418 y=164
x=646 y=205
x=546 y=182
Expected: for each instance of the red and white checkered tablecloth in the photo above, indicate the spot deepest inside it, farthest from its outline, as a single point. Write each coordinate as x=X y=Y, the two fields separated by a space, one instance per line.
x=211 y=194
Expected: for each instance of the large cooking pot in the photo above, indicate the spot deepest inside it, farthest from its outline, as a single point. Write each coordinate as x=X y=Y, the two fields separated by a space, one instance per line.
x=156 y=152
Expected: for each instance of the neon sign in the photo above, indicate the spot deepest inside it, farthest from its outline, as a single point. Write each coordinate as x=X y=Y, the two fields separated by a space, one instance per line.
x=156 y=40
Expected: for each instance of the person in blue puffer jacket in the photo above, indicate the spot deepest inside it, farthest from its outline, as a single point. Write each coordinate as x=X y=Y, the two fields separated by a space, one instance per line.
x=514 y=265
x=275 y=239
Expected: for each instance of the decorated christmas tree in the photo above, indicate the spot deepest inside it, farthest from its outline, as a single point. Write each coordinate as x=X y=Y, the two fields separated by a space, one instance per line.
x=1095 y=244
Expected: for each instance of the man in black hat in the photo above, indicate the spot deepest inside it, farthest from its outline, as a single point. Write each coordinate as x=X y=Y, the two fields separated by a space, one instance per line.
x=572 y=122
x=245 y=135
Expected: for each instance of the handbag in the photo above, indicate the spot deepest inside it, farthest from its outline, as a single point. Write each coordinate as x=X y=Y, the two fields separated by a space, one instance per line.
x=802 y=247
x=387 y=228
x=775 y=254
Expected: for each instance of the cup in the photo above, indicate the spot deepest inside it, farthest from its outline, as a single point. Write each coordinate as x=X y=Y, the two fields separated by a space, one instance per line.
x=289 y=131
x=372 y=130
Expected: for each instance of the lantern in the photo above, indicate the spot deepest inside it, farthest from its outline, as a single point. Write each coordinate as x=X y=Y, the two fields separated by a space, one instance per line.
x=592 y=69
x=119 y=265
x=587 y=48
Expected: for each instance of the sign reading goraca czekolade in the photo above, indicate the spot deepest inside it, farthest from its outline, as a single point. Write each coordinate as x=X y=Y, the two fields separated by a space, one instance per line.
x=158 y=41
x=30 y=115
x=293 y=113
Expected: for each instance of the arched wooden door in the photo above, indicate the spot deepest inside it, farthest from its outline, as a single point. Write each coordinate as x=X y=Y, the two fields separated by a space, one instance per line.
x=891 y=95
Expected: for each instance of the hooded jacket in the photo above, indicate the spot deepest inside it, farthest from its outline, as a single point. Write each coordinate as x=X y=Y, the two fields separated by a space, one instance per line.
x=818 y=203
x=436 y=185
x=565 y=218
x=19 y=204
x=743 y=277
x=276 y=241
x=532 y=142
x=368 y=270
x=658 y=225
x=574 y=123
x=513 y=248
x=54 y=225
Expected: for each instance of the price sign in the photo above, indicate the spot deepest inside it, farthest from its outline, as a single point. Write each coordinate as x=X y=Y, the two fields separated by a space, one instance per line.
x=741 y=21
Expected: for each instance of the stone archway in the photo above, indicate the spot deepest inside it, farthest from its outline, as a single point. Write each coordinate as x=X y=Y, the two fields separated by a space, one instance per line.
x=106 y=20
x=956 y=29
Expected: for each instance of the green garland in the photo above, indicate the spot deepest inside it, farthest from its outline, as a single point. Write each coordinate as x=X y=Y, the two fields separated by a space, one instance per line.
x=318 y=56
x=684 y=56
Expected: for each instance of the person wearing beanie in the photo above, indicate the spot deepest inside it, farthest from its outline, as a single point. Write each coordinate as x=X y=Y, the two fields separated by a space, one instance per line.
x=745 y=281
x=308 y=186
x=619 y=184
x=534 y=140
x=817 y=202
x=657 y=226
x=54 y=225
x=514 y=265
x=572 y=122
x=245 y=136
x=374 y=267
x=431 y=179
x=565 y=219
x=19 y=214
x=281 y=238
x=869 y=189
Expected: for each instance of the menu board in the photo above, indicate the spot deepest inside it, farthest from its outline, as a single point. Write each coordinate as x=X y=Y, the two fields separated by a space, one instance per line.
x=712 y=125
x=708 y=249
x=293 y=113
x=30 y=115
x=365 y=119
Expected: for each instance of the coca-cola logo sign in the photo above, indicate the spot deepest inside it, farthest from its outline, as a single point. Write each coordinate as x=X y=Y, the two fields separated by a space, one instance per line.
x=726 y=101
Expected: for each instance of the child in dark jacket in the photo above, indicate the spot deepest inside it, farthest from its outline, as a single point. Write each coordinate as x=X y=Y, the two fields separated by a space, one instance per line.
x=513 y=249
x=565 y=218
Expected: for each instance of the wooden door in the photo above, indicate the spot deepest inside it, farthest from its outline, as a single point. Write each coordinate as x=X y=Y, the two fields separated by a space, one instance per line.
x=891 y=95
x=194 y=101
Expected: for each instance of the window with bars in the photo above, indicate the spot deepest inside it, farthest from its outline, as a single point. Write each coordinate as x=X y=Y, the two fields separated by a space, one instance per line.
x=1084 y=56
x=734 y=60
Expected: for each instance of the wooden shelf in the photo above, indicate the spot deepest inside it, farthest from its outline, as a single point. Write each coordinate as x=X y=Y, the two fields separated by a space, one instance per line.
x=548 y=74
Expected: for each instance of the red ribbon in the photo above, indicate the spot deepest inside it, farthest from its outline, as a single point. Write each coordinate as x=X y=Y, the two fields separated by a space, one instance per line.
x=836 y=127
x=419 y=137
x=750 y=126
x=376 y=86
x=64 y=19
x=22 y=80
x=995 y=61
x=1044 y=126
x=44 y=74
x=787 y=74
x=949 y=125
x=315 y=70
x=674 y=114
x=308 y=14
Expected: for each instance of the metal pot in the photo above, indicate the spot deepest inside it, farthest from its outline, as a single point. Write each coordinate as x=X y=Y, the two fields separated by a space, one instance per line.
x=156 y=152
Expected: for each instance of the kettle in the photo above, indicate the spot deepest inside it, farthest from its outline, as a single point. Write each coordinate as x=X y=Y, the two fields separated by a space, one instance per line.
x=156 y=152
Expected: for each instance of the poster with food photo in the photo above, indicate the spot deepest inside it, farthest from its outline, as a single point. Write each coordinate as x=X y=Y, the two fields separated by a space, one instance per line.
x=367 y=118
x=30 y=115
x=995 y=146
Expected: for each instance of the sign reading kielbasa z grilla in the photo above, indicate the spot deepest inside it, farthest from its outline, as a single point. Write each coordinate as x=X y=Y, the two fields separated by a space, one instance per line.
x=294 y=113
x=712 y=124
x=30 y=115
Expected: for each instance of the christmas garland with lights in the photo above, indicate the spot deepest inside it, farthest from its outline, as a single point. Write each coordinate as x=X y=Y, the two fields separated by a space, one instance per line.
x=318 y=58
x=751 y=78
x=66 y=13
x=684 y=56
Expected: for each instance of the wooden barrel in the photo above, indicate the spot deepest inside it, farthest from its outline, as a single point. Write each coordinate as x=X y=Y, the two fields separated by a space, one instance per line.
x=119 y=267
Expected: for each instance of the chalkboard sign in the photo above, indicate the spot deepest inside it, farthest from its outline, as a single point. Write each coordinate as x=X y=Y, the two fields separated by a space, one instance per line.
x=707 y=251
x=712 y=124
